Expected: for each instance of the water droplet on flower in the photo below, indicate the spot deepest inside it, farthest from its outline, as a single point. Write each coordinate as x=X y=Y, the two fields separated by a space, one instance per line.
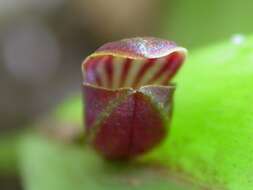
x=238 y=39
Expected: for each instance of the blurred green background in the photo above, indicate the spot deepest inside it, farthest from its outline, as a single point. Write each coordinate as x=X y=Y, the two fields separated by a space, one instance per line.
x=42 y=44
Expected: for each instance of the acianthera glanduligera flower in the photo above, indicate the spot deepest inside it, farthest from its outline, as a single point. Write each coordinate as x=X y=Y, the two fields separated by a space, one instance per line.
x=128 y=95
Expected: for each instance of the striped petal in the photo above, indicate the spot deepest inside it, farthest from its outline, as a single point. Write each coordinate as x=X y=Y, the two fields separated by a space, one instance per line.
x=133 y=63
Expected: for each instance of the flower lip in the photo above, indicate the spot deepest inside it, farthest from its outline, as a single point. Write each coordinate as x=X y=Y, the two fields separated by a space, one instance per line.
x=140 y=48
x=171 y=86
x=132 y=63
x=121 y=53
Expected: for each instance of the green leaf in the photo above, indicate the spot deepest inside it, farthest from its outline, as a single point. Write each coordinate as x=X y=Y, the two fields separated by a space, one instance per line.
x=212 y=131
x=49 y=165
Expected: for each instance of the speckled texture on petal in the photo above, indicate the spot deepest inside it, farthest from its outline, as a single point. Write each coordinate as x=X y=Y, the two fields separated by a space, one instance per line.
x=140 y=47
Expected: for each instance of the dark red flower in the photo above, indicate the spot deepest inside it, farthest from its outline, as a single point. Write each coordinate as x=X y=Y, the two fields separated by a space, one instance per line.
x=128 y=95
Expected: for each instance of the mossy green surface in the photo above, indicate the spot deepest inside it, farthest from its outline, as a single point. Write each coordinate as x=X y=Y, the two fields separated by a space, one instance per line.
x=210 y=138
